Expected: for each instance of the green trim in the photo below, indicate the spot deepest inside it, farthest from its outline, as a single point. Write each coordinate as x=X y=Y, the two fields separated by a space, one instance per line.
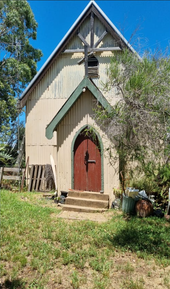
x=72 y=156
x=85 y=83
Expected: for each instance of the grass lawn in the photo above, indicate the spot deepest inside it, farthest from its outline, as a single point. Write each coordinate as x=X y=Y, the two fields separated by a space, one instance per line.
x=40 y=250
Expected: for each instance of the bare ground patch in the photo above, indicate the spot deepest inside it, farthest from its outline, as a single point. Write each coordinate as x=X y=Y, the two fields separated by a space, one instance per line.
x=126 y=271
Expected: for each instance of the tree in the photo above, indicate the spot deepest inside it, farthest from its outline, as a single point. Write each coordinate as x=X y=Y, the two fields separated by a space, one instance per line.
x=4 y=157
x=18 y=57
x=139 y=123
x=16 y=146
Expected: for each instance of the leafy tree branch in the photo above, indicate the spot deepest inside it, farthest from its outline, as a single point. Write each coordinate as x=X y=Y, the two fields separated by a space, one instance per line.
x=18 y=60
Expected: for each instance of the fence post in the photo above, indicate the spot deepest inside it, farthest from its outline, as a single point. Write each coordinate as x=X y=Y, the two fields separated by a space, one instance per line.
x=1 y=174
x=168 y=211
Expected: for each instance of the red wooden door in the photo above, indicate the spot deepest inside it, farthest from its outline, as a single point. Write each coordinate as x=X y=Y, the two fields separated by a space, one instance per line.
x=87 y=164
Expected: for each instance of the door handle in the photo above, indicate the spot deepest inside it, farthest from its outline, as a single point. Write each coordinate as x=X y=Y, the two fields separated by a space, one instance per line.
x=86 y=159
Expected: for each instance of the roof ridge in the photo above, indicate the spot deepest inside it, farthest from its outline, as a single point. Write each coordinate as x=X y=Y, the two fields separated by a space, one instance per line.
x=91 y=2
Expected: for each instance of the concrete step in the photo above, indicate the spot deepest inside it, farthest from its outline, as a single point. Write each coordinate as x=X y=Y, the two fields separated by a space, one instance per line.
x=88 y=195
x=66 y=207
x=85 y=201
x=92 y=203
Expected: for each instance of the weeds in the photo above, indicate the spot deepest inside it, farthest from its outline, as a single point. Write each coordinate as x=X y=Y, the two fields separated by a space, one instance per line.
x=130 y=284
x=167 y=282
x=101 y=282
x=75 y=280
x=128 y=268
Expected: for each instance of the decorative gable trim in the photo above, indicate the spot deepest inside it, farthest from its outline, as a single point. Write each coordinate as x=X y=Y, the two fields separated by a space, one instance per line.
x=86 y=83
x=91 y=8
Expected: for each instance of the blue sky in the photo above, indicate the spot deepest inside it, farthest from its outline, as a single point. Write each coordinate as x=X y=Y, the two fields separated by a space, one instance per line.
x=56 y=17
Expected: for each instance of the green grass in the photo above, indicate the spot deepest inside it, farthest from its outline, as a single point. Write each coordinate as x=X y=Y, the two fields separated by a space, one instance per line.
x=147 y=236
x=34 y=241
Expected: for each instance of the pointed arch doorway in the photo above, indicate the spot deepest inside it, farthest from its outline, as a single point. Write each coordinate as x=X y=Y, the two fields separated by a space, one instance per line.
x=87 y=164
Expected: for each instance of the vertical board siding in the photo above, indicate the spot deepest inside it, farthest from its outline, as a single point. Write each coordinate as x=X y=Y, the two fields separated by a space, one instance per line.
x=44 y=102
x=98 y=29
x=39 y=114
x=108 y=41
x=61 y=78
x=75 y=43
x=41 y=154
x=79 y=115
x=56 y=86
x=85 y=30
x=48 y=97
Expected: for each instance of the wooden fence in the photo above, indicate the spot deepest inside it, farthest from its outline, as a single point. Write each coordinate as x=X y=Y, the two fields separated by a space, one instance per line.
x=39 y=177
x=11 y=174
x=37 y=181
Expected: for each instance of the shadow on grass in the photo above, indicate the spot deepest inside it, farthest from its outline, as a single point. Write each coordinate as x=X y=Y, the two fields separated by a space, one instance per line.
x=143 y=235
x=14 y=284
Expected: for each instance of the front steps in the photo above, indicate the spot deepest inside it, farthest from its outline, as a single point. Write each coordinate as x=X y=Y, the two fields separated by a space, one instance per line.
x=83 y=201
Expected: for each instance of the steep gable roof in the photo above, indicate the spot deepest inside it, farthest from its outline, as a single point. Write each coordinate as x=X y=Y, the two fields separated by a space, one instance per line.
x=92 y=7
x=86 y=83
